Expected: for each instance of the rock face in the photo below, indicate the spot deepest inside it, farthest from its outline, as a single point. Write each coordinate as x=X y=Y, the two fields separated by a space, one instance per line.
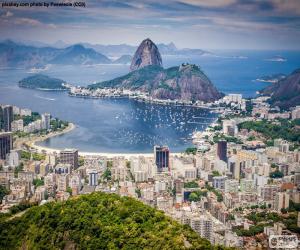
x=286 y=92
x=146 y=54
x=186 y=82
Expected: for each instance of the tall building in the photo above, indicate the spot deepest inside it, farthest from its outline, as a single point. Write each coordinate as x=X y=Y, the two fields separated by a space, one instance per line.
x=231 y=186
x=268 y=192
x=219 y=182
x=281 y=201
x=93 y=178
x=247 y=185
x=6 y=144
x=222 y=150
x=69 y=156
x=13 y=158
x=229 y=127
x=46 y=121
x=8 y=117
x=203 y=226
x=162 y=155
x=297 y=176
x=1 y=118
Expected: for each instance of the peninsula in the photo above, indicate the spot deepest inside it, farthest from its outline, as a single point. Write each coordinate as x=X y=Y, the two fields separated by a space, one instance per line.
x=149 y=80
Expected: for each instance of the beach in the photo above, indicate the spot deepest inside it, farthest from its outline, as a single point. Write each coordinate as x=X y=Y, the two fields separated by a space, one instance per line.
x=31 y=143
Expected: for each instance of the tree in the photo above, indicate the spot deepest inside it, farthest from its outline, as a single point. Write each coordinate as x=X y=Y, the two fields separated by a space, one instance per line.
x=38 y=182
x=3 y=192
x=216 y=173
x=69 y=190
x=193 y=197
x=276 y=174
x=191 y=184
x=107 y=174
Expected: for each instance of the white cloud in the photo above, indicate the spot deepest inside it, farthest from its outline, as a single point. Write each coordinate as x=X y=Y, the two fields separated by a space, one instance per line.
x=209 y=3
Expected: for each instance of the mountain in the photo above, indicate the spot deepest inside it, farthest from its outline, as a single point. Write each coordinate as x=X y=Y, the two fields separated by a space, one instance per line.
x=112 y=50
x=25 y=56
x=17 y=55
x=124 y=59
x=286 y=92
x=77 y=54
x=166 y=48
x=28 y=54
x=97 y=221
x=186 y=82
x=40 y=81
x=146 y=54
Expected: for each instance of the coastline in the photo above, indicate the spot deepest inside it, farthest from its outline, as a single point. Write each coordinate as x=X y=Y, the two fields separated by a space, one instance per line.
x=42 y=149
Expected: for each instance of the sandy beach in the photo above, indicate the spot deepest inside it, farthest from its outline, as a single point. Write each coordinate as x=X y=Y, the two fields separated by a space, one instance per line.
x=41 y=149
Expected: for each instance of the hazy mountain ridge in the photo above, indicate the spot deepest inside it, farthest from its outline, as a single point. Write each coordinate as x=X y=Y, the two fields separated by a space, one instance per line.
x=24 y=56
x=286 y=92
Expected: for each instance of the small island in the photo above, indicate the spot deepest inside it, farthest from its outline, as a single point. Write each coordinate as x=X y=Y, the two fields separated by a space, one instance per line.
x=42 y=82
x=271 y=78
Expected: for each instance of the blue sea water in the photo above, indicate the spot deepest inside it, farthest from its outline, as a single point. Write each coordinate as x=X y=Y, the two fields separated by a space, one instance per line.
x=121 y=125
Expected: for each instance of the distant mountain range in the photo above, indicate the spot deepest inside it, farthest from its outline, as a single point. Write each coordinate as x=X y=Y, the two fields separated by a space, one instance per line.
x=165 y=49
x=24 y=56
x=35 y=54
x=286 y=92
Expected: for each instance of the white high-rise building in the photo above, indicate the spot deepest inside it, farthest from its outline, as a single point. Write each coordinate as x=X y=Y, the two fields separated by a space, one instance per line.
x=231 y=186
x=17 y=125
x=219 y=182
x=13 y=158
x=203 y=226
x=46 y=121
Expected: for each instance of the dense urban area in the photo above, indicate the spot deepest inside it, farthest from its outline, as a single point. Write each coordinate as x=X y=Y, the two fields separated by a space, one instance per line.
x=237 y=186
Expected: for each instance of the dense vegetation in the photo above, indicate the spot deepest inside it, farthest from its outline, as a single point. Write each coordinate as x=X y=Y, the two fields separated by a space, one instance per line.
x=35 y=156
x=97 y=221
x=135 y=79
x=41 y=82
x=28 y=118
x=3 y=192
x=191 y=150
x=285 y=129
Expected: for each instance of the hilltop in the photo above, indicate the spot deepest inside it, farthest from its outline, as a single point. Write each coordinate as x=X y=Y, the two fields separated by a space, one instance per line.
x=97 y=221
x=146 y=54
x=286 y=92
x=185 y=82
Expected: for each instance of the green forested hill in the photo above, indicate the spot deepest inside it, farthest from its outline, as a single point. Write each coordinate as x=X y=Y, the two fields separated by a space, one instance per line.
x=40 y=81
x=97 y=221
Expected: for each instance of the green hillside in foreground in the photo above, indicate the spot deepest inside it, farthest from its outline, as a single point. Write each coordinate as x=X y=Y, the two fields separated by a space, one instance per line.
x=97 y=221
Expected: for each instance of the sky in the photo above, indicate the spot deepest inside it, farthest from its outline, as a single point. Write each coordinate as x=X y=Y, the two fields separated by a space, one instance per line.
x=205 y=24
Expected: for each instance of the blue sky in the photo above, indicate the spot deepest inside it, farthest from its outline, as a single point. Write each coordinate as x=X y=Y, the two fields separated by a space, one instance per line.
x=207 y=24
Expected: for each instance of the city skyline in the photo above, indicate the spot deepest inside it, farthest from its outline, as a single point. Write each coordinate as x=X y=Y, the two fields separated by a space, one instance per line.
x=217 y=24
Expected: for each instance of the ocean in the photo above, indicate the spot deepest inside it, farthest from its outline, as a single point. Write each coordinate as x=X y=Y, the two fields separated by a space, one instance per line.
x=128 y=126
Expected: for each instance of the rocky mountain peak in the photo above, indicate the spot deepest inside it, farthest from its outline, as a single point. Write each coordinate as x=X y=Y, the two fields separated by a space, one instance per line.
x=146 y=54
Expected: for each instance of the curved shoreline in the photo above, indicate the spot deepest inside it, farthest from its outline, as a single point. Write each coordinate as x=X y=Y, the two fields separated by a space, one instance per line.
x=42 y=149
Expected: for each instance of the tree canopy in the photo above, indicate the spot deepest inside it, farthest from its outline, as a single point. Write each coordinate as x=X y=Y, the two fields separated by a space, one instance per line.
x=97 y=221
